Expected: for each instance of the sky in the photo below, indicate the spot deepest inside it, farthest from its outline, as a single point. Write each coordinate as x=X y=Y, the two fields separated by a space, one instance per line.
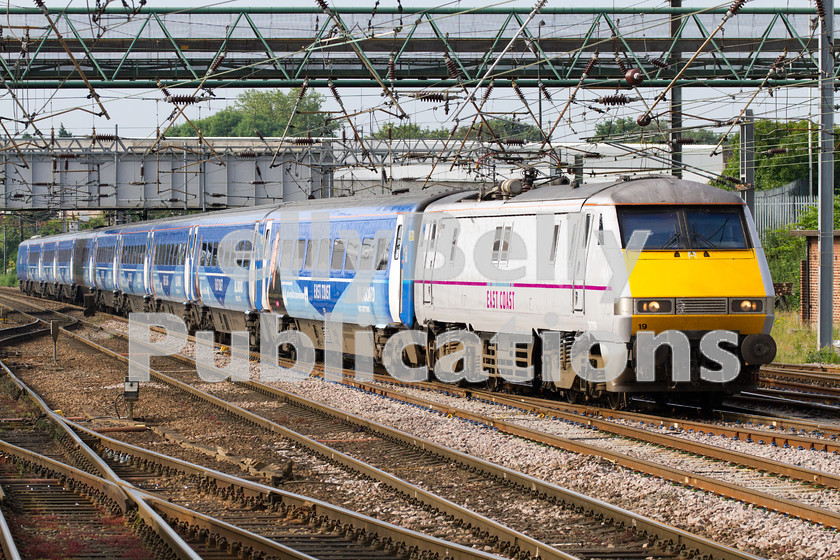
x=136 y=113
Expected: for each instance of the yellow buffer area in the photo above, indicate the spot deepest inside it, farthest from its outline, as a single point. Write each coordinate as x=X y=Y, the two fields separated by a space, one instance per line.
x=692 y=274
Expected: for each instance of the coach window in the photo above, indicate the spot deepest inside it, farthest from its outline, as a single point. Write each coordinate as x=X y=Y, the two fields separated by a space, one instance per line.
x=454 y=244
x=367 y=254
x=337 y=255
x=382 y=253
x=324 y=255
x=352 y=254
x=398 y=242
x=555 y=242
x=243 y=252
x=286 y=254
x=310 y=255
x=300 y=249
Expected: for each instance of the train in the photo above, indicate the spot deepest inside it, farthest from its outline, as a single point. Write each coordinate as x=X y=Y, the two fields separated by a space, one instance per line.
x=545 y=266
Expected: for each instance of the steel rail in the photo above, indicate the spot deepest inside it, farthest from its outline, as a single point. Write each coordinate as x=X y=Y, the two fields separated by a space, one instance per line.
x=408 y=537
x=258 y=492
x=691 y=480
x=505 y=534
x=169 y=537
x=586 y=412
x=7 y=543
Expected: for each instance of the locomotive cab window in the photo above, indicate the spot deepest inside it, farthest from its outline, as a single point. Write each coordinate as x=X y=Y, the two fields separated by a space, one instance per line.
x=674 y=228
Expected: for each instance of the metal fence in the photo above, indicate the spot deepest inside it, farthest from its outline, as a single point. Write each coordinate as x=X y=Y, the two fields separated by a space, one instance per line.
x=775 y=212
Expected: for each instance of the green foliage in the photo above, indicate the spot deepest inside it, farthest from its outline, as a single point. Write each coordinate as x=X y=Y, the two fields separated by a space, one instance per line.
x=809 y=218
x=504 y=129
x=411 y=131
x=9 y=279
x=784 y=253
x=822 y=356
x=628 y=130
x=266 y=111
x=95 y=222
x=781 y=168
x=63 y=132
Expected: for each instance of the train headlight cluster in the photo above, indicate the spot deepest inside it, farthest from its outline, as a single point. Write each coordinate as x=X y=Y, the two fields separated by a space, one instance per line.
x=746 y=305
x=652 y=306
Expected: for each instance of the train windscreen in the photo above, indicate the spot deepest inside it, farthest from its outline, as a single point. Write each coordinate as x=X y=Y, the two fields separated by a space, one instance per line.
x=685 y=227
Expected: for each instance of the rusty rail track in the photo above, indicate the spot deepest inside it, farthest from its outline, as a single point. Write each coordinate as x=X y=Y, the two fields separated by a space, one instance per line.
x=671 y=536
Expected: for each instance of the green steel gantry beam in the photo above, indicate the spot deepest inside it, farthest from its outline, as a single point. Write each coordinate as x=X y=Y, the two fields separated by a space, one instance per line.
x=283 y=46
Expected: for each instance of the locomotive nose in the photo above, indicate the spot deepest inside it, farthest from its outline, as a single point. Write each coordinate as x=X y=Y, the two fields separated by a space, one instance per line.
x=758 y=349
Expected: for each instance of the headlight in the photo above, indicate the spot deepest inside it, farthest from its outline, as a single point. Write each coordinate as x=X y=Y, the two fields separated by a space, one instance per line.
x=650 y=306
x=746 y=305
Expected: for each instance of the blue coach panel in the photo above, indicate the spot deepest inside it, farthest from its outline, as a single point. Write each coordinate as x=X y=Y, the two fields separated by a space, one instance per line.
x=48 y=250
x=169 y=251
x=22 y=263
x=33 y=260
x=82 y=259
x=64 y=256
x=343 y=259
x=131 y=265
x=226 y=258
x=104 y=259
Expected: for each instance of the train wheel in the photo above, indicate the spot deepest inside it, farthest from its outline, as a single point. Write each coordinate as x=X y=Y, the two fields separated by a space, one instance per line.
x=615 y=400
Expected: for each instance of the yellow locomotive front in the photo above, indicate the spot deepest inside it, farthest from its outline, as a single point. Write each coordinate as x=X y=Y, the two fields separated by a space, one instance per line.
x=702 y=302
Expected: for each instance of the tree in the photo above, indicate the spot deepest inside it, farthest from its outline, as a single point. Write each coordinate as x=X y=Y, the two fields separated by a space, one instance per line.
x=63 y=132
x=265 y=112
x=628 y=130
x=410 y=131
x=781 y=153
x=504 y=129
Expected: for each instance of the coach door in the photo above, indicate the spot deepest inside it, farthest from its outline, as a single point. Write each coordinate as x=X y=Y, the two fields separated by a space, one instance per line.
x=430 y=235
x=581 y=245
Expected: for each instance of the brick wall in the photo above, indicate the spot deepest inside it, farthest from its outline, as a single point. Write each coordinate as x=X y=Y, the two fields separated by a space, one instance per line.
x=809 y=281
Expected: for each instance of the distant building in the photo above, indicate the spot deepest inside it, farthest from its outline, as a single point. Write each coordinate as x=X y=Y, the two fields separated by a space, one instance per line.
x=810 y=276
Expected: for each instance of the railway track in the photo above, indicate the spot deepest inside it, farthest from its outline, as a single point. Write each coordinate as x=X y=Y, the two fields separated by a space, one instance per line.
x=756 y=488
x=409 y=453
x=228 y=515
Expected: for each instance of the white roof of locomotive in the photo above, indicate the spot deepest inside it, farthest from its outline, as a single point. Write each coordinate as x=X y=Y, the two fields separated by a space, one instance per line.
x=660 y=189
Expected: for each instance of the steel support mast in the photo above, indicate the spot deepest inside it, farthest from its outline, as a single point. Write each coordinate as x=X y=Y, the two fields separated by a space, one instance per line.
x=826 y=174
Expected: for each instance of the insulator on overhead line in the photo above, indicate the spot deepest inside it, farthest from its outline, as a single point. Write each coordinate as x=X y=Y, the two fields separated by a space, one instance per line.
x=590 y=65
x=593 y=155
x=684 y=140
x=307 y=141
x=514 y=141
x=66 y=155
x=518 y=92
x=777 y=151
x=738 y=4
x=432 y=96
x=659 y=63
x=634 y=76
x=247 y=154
x=544 y=91
x=391 y=68
x=323 y=5
x=621 y=65
x=334 y=91
x=183 y=99
x=618 y=99
x=104 y=137
x=540 y=5
x=217 y=62
x=820 y=9
x=451 y=67
x=488 y=90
